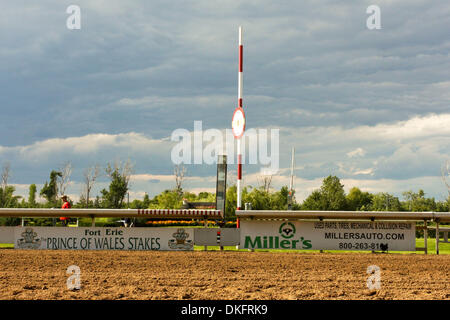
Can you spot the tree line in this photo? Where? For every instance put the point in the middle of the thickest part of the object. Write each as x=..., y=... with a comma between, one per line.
x=330, y=196
x=118, y=173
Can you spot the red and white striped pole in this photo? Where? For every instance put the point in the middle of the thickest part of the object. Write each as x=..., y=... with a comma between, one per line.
x=239, y=153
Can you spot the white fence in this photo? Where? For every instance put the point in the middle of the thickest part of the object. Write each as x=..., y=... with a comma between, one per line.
x=227, y=237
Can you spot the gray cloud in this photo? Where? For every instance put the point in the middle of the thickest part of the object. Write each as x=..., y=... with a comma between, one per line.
x=139, y=70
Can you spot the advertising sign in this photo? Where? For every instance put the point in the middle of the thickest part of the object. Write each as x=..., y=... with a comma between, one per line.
x=328, y=235
x=69, y=238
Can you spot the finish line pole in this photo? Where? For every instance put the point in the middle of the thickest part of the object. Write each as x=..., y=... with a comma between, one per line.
x=239, y=153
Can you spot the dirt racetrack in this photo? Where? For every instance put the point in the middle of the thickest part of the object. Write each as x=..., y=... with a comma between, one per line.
x=40, y=274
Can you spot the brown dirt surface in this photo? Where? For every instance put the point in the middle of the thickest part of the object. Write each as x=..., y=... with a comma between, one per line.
x=41, y=274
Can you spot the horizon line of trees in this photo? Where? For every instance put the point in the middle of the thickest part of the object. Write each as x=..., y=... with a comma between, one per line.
x=330, y=196
x=118, y=173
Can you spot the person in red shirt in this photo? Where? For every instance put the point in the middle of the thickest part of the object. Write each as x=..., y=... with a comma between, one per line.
x=66, y=205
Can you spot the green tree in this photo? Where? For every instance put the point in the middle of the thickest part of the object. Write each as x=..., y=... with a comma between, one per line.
x=141, y=204
x=417, y=202
x=231, y=201
x=119, y=174
x=358, y=200
x=203, y=195
x=7, y=197
x=146, y=202
x=279, y=199
x=385, y=202
x=137, y=204
x=313, y=201
x=83, y=203
x=50, y=189
x=331, y=196
x=8, y=200
x=443, y=206
x=97, y=202
x=118, y=188
x=32, y=196
x=258, y=197
x=168, y=199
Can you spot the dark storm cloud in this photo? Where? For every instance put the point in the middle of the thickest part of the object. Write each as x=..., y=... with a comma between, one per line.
x=152, y=67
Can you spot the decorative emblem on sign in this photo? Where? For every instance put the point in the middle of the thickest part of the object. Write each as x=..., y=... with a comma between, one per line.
x=287, y=230
x=180, y=242
x=28, y=241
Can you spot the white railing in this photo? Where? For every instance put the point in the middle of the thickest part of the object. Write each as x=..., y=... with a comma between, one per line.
x=357, y=215
x=111, y=213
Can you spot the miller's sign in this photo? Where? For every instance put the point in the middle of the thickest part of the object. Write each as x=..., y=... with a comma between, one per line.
x=328, y=235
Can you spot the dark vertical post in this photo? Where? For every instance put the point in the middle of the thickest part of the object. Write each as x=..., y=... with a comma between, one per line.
x=221, y=185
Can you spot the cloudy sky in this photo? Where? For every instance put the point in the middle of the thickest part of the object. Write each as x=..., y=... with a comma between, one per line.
x=369, y=106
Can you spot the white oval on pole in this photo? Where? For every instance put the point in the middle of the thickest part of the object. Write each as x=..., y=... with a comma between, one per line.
x=238, y=123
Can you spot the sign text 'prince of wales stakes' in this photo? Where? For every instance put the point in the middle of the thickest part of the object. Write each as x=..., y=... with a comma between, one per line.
x=103, y=238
